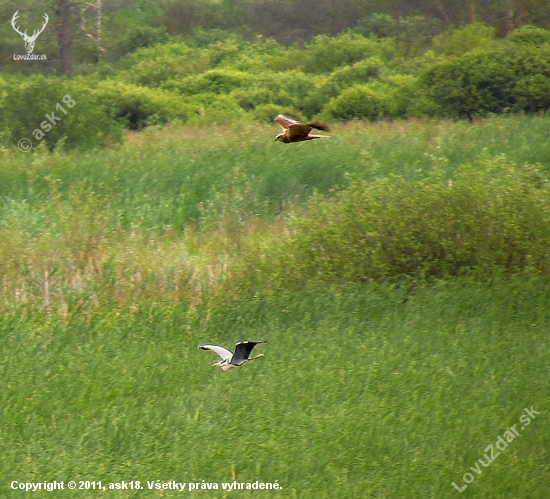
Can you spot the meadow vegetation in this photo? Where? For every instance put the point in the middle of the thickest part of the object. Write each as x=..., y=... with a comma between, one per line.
x=181, y=208
x=364, y=391
x=398, y=270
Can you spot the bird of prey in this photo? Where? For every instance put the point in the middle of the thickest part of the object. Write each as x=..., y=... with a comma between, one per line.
x=294, y=131
x=230, y=359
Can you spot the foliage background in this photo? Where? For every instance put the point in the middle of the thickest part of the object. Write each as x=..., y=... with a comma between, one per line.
x=398, y=270
x=188, y=62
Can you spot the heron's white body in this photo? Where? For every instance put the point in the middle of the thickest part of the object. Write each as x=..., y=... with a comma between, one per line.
x=224, y=364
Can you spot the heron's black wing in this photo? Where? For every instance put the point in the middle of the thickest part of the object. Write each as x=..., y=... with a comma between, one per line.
x=243, y=351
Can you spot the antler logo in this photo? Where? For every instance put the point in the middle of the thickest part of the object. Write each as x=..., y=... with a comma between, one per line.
x=29, y=40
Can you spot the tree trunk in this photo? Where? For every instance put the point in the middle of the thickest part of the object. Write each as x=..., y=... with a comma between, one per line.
x=63, y=11
x=488, y=12
x=473, y=11
x=440, y=9
x=98, y=25
x=509, y=14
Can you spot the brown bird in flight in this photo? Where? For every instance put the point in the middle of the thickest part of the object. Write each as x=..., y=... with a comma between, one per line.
x=296, y=132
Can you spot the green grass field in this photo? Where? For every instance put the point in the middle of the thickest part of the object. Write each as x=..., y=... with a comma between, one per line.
x=117, y=264
x=359, y=394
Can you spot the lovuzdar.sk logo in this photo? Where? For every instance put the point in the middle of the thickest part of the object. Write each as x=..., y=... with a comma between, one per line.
x=29, y=40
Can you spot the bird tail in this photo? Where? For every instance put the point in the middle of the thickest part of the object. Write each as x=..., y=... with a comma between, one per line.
x=319, y=126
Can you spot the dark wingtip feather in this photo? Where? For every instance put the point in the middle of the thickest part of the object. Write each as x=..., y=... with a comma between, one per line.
x=319, y=126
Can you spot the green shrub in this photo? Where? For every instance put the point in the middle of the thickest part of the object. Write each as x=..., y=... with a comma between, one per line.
x=407, y=101
x=138, y=106
x=492, y=218
x=529, y=34
x=142, y=36
x=218, y=109
x=532, y=88
x=319, y=95
x=360, y=72
x=510, y=78
x=78, y=115
x=287, y=60
x=289, y=89
x=475, y=84
x=360, y=101
x=218, y=81
x=464, y=40
x=533, y=93
x=265, y=113
x=155, y=65
x=327, y=53
x=413, y=28
x=253, y=56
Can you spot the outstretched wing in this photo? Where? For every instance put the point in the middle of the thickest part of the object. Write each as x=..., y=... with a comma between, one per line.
x=298, y=131
x=224, y=353
x=243, y=351
x=284, y=122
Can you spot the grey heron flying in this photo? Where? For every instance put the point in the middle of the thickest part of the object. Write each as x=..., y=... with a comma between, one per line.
x=229, y=360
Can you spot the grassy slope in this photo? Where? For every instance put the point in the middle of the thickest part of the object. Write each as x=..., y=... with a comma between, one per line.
x=119, y=396
x=360, y=394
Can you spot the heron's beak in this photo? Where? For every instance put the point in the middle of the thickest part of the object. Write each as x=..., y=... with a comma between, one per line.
x=257, y=356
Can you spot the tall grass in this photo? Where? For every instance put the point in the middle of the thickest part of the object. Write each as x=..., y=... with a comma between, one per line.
x=161, y=176
x=175, y=211
x=116, y=264
x=363, y=392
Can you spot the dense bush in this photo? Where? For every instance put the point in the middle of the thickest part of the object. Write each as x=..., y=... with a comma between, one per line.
x=509, y=78
x=360, y=72
x=77, y=115
x=474, y=84
x=531, y=35
x=288, y=89
x=360, y=101
x=328, y=53
x=464, y=40
x=413, y=29
x=142, y=36
x=218, y=81
x=153, y=66
x=493, y=217
x=138, y=106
